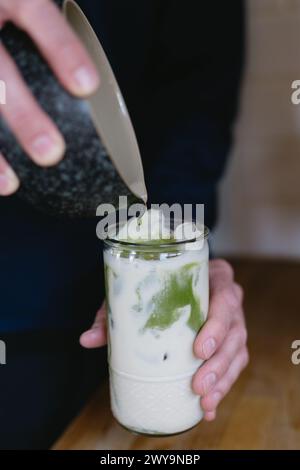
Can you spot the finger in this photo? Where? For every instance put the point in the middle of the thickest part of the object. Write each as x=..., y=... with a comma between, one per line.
x=96, y=336
x=224, y=303
x=213, y=370
x=210, y=415
x=9, y=182
x=239, y=292
x=59, y=45
x=210, y=402
x=32, y=127
x=220, y=273
x=100, y=316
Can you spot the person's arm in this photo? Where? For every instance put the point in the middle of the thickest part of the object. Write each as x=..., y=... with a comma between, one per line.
x=34, y=130
x=221, y=342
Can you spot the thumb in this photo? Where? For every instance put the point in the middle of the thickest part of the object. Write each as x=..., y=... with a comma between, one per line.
x=95, y=337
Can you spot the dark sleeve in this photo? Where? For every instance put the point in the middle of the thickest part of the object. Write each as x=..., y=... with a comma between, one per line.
x=179, y=65
x=190, y=101
x=189, y=164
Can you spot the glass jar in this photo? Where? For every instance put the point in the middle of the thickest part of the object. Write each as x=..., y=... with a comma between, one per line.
x=157, y=300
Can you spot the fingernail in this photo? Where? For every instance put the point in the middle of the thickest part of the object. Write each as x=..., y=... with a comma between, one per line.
x=93, y=333
x=87, y=335
x=209, y=347
x=208, y=382
x=47, y=150
x=9, y=182
x=216, y=398
x=86, y=80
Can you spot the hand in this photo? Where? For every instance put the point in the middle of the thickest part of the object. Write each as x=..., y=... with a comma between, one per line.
x=34, y=130
x=221, y=342
x=96, y=336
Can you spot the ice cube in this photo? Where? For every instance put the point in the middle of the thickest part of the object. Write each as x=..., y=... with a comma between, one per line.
x=151, y=226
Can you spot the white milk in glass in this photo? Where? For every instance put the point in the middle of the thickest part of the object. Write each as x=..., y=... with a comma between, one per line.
x=157, y=300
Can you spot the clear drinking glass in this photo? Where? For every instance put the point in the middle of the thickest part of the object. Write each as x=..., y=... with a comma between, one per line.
x=157, y=300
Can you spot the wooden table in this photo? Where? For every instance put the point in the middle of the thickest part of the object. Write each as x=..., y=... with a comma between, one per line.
x=263, y=409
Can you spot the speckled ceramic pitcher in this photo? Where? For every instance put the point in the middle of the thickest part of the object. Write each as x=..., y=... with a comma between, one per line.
x=102, y=159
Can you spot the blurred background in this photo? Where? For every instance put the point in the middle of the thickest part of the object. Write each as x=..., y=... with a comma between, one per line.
x=260, y=194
